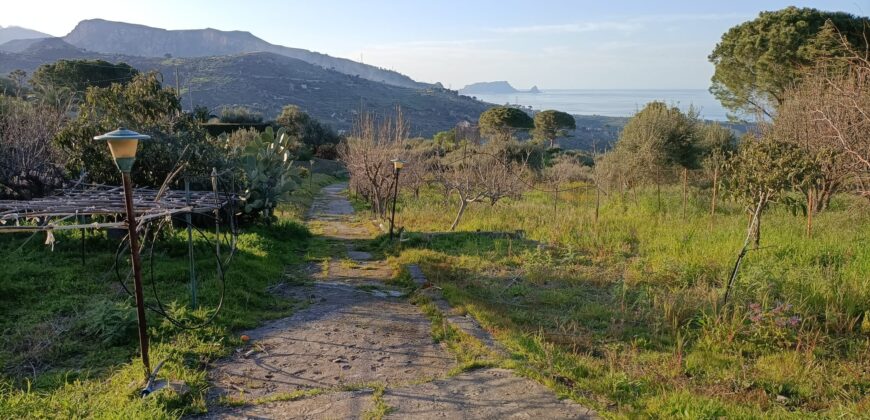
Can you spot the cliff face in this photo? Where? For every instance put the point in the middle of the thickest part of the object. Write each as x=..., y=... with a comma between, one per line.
x=138, y=40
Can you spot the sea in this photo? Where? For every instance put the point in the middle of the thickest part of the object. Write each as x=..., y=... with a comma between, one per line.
x=612, y=102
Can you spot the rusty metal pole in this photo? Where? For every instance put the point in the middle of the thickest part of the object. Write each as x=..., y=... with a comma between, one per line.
x=132, y=228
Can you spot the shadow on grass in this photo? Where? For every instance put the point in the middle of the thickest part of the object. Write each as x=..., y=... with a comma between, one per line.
x=62, y=320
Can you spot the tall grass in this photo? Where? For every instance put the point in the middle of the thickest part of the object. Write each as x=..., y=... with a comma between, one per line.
x=635, y=298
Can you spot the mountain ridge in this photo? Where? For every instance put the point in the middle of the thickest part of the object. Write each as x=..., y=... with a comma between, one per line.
x=12, y=32
x=110, y=37
x=266, y=82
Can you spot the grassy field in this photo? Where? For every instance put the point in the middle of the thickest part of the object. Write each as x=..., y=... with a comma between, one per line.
x=69, y=330
x=624, y=313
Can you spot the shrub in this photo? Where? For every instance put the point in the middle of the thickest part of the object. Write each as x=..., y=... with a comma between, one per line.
x=240, y=115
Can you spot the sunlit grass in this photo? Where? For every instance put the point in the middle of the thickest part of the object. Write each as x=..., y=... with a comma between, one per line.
x=625, y=312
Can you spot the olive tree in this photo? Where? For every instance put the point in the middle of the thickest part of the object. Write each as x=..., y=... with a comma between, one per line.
x=762, y=171
x=656, y=141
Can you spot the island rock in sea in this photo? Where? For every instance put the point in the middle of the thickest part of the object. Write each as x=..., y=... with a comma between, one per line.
x=493, y=88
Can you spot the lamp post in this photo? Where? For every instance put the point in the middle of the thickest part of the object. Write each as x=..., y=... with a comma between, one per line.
x=397, y=165
x=311, y=173
x=123, y=144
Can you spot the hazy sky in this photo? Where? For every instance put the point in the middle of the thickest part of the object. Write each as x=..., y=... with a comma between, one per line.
x=551, y=44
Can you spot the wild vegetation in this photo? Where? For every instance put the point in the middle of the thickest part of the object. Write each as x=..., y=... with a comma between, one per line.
x=68, y=324
x=686, y=272
x=640, y=282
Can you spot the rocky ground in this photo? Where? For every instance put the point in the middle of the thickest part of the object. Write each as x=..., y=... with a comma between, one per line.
x=361, y=349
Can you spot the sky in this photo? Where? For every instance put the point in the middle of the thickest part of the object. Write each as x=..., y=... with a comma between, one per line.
x=630, y=44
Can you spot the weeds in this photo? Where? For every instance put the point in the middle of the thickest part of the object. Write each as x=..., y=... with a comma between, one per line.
x=625, y=313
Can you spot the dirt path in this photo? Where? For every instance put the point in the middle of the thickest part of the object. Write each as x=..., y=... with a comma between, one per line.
x=358, y=335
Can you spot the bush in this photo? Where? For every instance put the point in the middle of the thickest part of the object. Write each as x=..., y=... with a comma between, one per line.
x=141, y=105
x=240, y=115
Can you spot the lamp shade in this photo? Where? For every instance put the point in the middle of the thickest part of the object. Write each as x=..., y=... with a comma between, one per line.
x=123, y=144
x=398, y=163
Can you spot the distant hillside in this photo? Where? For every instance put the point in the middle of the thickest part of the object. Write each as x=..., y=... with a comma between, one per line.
x=138, y=40
x=266, y=82
x=493, y=88
x=9, y=33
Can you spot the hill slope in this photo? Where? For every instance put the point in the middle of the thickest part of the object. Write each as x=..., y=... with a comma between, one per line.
x=9, y=33
x=138, y=40
x=266, y=82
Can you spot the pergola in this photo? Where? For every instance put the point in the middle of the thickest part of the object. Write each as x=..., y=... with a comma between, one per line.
x=71, y=208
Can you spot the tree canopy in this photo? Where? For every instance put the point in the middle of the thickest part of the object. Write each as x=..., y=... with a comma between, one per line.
x=501, y=121
x=145, y=106
x=756, y=61
x=550, y=124
x=78, y=75
x=320, y=138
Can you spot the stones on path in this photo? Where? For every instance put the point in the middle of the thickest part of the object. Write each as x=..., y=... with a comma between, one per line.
x=481, y=394
x=356, y=332
x=334, y=405
x=350, y=338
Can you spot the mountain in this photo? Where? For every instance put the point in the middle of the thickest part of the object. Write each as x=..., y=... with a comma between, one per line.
x=266, y=82
x=138, y=40
x=494, y=88
x=10, y=33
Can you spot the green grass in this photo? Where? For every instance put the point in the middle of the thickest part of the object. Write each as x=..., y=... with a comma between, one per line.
x=68, y=330
x=625, y=313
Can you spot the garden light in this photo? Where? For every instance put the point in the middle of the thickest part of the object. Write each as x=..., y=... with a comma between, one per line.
x=123, y=144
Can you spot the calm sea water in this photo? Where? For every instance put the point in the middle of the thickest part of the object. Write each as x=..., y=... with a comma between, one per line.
x=612, y=102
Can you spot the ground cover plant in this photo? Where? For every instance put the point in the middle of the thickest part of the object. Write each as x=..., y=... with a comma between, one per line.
x=625, y=312
x=68, y=330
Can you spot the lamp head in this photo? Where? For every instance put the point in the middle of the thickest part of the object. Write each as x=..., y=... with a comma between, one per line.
x=398, y=163
x=123, y=144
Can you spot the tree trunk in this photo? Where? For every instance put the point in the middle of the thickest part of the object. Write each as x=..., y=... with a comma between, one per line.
x=758, y=231
x=685, y=190
x=715, y=190
x=463, y=204
x=810, y=209
x=597, y=203
x=658, y=198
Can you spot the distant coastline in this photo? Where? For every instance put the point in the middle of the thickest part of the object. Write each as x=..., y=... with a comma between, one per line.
x=609, y=102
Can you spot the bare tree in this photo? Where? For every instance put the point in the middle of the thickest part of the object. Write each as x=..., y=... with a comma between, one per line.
x=30, y=163
x=828, y=116
x=484, y=174
x=367, y=154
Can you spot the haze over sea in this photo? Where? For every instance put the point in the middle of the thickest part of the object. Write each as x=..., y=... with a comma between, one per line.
x=612, y=102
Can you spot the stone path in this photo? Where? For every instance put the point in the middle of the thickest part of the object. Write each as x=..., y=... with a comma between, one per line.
x=357, y=334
